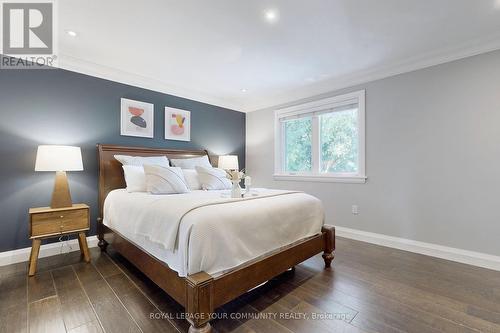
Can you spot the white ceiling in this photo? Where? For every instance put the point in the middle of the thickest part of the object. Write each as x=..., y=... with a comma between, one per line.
x=209, y=50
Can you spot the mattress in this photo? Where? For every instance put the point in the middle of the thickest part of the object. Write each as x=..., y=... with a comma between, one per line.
x=210, y=231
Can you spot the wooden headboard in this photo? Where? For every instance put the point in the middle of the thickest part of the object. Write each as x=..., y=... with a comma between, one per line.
x=111, y=172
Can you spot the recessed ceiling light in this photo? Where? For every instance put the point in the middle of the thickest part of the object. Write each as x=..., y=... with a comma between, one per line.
x=271, y=15
x=244, y=90
x=71, y=33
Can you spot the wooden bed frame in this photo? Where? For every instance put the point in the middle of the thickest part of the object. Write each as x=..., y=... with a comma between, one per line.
x=200, y=293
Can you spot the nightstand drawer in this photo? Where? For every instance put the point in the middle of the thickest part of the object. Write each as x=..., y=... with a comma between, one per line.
x=78, y=221
x=51, y=223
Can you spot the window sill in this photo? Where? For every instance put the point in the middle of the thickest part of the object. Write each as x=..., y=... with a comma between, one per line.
x=321, y=178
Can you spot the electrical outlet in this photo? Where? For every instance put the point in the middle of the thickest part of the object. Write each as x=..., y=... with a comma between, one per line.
x=355, y=210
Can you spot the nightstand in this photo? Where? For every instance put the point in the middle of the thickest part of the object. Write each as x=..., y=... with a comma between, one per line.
x=46, y=222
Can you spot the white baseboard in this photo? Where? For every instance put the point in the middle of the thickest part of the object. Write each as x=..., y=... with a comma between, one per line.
x=449, y=253
x=47, y=250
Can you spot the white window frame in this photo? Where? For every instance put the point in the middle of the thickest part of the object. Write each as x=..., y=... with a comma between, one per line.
x=357, y=97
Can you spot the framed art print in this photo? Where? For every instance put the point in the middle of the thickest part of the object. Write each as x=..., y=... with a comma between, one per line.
x=137, y=118
x=177, y=124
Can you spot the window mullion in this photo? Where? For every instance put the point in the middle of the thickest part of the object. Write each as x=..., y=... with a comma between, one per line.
x=315, y=145
x=283, y=147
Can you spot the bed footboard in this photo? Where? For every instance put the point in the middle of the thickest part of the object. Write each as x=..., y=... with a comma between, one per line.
x=199, y=302
x=200, y=293
x=205, y=293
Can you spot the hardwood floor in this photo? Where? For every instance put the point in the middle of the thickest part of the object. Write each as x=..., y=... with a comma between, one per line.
x=368, y=289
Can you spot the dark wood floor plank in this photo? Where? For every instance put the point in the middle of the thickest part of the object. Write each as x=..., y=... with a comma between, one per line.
x=380, y=318
x=20, y=268
x=76, y=309
x=455, y=293
x=91, y=327
x=270, y=295
x=228, y=325
x=103, y=263
x=45, y=316
x=14, y=319
x=169, y=306
x=13, y=303
x=371, y=324
x=425, y=301
x=464, y=283
x=295, y=320
x=13, y=291
x=40, y=286
x=277, y=298
x=257, y=324
x=401, y=315
x=63, y=259
x=356, y=295
x=239, y=329
x=112, y=314
x=139, y=307
x=329, y=321
x=326, y=305
x=266, y=326
x=158, y=297
x=369, y=289
x=485, y=315
x=239, y=315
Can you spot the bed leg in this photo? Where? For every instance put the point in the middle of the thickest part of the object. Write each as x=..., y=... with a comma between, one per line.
x=329, y=236
x=102, y=245
x=100, y=235
x=199, y=302
x=205, y=329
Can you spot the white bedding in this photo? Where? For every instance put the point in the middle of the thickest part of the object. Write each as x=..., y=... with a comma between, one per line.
x=207, y=231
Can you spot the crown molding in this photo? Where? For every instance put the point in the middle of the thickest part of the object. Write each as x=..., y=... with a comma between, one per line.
x=77, y=65
x=295, y=96
x=328, y=87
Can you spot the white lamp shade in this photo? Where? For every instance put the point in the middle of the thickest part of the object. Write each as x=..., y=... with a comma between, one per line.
x=58, y=158
x=228, y=162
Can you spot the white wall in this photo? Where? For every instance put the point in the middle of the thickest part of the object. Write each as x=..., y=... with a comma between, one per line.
x=432, y=161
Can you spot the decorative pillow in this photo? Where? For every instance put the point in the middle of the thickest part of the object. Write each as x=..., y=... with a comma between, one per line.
x=213, y=178
x=192, y=179
x=134, y=178
x=141, y=160
x=191, y=163
x=162, y=180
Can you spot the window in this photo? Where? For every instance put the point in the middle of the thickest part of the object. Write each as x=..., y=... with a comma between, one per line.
x=322, y=140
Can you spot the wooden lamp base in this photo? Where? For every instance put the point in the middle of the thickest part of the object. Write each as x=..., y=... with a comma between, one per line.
x=61, y=197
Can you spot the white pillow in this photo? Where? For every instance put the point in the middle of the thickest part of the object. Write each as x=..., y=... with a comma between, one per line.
x=161, y=180
x=192, y=179
x=191, y=163
x=141, y=160
x=134, y=178
x=213, y=178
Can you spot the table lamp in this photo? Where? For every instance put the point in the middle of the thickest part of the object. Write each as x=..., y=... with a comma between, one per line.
x=59, y=159
x=228, y=162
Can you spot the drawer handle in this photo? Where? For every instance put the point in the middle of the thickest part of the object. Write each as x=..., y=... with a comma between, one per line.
x=62, y=216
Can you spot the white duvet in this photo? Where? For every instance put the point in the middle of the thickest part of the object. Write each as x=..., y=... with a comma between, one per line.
x=207, y=231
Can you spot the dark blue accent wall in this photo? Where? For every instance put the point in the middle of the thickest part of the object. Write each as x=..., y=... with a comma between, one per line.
x=53, y=106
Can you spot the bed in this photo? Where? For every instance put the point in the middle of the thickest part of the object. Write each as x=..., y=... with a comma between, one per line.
x=213, y=259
